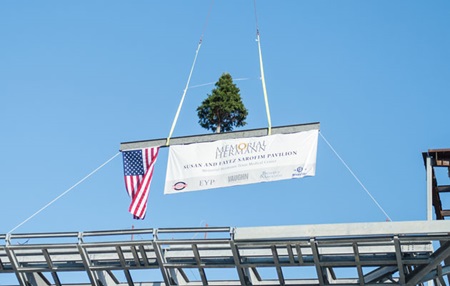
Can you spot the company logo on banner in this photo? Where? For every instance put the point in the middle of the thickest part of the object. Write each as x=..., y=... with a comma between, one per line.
x=241, y=161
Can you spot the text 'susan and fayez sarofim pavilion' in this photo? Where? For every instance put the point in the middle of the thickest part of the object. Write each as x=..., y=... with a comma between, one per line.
x=383, y=253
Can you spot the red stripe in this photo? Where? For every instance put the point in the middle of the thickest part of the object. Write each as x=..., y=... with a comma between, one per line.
x=140, y=200
x=143, y=198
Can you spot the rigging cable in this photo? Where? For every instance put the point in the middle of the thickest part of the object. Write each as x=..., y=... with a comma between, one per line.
x=261, y=66
x=65, y=192
x=189, y=77
x=353, y=174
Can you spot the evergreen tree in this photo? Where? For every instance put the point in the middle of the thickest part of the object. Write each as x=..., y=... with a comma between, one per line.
x=223, y=109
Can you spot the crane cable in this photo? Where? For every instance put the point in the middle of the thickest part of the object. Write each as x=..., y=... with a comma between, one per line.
x=388, y=218
x=64, y=193
x=189, y=77
x=261, y=66
x=263, y=81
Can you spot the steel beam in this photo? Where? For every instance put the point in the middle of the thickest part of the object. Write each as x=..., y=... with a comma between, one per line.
x=50, y=265
x=218, y=136
x=144, y=255
x=276, y=261
x=358, y=264
x=237, y=261
x=444, y=189
x=316, y=257
x=398, y=255
x=291, y=254
x=439, y=275
x=198, y=259
x=299, y=254
x=429, y=168
x=126, y=271
x=342, y=230
x=87, y=265
x=161, y=259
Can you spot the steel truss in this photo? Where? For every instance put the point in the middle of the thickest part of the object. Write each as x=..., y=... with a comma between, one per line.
x=388, y=253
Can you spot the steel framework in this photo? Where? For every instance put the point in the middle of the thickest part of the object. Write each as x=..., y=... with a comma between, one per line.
x=387, y=253
x=437, y=158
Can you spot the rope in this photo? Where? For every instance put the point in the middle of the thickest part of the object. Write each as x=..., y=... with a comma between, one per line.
x=263, y=81
x=68, y=190
x=183, y=96
x=353, y=174
x=189, y=77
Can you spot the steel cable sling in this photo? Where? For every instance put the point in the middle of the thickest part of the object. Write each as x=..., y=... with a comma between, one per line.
x=266, y=101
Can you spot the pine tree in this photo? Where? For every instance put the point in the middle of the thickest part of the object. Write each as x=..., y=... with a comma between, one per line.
x=223, y=109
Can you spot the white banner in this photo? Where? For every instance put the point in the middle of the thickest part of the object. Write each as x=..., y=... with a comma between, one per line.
x=241, y=161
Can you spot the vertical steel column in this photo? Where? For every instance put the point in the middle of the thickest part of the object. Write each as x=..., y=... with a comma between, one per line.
x=160, y=258
x=276, y=261
x=198, y=259
x=244, y=274
x=399, y=257
x=126, y=270
x=358, y=263
x=429, y=189
x=86, y=260
x=50, y=266
x=316, y=257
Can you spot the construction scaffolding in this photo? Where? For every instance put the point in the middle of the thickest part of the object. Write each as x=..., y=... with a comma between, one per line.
x=386, y=253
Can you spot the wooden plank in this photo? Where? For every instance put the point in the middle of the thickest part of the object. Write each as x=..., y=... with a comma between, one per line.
x=445, y=150
x=218, y=136
x=442, y=163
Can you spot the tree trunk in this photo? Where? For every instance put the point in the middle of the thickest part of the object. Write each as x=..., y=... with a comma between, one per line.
x=218, y=128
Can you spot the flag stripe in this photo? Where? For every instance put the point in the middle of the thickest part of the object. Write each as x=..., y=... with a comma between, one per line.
x=138, y=172
x=139, y=203
x=131, y=184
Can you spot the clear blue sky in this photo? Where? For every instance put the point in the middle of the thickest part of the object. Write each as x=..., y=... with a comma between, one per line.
x=79, y=77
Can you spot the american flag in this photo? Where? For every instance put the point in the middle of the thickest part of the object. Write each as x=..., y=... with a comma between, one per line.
x=138, y=168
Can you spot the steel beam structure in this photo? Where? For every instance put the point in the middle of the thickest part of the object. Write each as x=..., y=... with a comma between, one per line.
x=387, y=253
x=436, y=158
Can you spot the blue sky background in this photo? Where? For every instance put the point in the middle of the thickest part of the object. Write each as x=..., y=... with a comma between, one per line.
x=79, y=77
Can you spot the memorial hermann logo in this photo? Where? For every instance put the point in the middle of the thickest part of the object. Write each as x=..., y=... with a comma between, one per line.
x=241, y=148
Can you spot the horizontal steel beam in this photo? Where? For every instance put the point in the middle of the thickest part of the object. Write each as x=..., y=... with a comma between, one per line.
x=443, y=189
x=218, y=136
x=343, y=230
